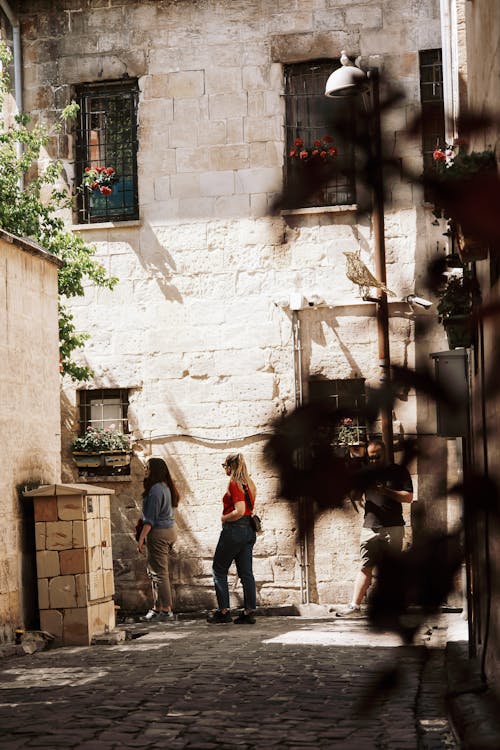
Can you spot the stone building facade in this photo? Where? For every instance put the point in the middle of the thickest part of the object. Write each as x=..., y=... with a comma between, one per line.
x=29, y=415
x=476, y=69
x=198, y=333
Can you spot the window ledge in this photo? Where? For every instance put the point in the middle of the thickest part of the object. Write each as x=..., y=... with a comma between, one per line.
x=106, y=225
x=320, y=210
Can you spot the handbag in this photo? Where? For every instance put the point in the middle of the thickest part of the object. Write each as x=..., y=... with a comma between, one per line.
x=255, y=521
x=138, y=529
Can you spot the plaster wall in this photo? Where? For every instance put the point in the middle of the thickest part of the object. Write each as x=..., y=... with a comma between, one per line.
x=29, y=413
x=196, y=328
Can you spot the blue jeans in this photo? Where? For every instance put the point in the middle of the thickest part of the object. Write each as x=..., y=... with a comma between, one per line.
x=236, y=543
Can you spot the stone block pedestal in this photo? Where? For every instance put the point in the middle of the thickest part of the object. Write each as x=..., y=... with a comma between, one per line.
x=74, y=561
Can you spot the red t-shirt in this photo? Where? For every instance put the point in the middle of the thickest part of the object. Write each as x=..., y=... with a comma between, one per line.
x=234, y=495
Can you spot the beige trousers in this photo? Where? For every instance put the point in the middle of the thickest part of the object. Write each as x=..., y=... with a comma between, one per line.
x=159, y=544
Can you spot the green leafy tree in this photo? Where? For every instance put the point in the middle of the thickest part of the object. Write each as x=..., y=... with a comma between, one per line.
x=31, y=206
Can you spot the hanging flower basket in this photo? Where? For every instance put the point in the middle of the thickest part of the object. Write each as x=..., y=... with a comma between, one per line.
x=458, y=331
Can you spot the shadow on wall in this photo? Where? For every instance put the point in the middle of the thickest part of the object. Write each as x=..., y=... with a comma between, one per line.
x=158, y=262
x=27, y=552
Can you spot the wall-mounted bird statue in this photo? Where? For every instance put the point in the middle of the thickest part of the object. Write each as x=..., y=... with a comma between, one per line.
x=360, y=275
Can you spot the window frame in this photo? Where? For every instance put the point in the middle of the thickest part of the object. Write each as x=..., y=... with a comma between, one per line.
x=430, y=63
x=310, y=115
x=85, y=408
x=91, y=150
x=348, y=393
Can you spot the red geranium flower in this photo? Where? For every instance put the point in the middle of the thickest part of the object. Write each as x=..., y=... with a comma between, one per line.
x=438, y=155
x=100, y=178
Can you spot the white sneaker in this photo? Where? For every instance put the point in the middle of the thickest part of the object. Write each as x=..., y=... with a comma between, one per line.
x=154, y=616
x=352, y=610
x=151, y=615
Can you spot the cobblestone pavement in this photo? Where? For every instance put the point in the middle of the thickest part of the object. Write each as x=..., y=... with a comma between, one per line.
x=286, y=682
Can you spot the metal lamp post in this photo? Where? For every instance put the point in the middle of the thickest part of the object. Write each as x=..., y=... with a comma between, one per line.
x=349, y=81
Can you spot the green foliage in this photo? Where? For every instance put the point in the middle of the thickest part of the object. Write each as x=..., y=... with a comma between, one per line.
x=455, y=297
x=30, y=206
x=98, y=439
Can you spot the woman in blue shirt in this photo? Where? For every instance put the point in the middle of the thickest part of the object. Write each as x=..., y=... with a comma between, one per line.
x=159, y=499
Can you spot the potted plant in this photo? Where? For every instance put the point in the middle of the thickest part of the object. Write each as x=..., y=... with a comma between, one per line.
x=350, y=433
x=314, y=164
x=454, y=310
x=100, y=179
x=102, y=447
x=458, y=176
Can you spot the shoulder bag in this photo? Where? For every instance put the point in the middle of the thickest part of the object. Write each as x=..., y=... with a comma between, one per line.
x=255, y=521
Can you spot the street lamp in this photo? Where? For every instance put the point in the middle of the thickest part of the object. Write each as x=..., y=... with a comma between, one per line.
x=350, y=81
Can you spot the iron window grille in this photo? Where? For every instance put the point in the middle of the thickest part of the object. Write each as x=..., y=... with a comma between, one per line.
x=106, y=136
x=310, y=115
x=345, y=395
x=432, y=104
x=104, y=407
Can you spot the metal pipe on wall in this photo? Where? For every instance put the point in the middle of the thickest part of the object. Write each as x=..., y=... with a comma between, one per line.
x=299, y=394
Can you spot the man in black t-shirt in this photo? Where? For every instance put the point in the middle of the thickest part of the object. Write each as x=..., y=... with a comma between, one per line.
x=383, y=525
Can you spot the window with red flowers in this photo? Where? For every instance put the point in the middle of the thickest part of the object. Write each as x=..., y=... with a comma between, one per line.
x=106, y=152
x=432, y=103
x=319, y=157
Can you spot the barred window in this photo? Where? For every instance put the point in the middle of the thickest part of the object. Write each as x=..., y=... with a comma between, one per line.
x=345, y=394
x=106, y=136
x=103, y=407
x=311, y=116
x=432, y=103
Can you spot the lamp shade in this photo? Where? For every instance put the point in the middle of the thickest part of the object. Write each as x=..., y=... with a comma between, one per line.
x=346, y=81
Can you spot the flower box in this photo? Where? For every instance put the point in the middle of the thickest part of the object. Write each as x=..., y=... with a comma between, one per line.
x=87, y=460
x=101, y=451
x=113, y=459
x=458, y=331
x=117, y=459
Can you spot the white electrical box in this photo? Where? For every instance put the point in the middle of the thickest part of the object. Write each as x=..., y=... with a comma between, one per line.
x=297, y=301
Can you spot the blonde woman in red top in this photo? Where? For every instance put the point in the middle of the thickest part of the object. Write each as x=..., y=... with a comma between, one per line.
x=236, y=543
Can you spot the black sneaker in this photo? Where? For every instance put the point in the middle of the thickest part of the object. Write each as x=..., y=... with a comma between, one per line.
x=244, y=619
x=219, y=617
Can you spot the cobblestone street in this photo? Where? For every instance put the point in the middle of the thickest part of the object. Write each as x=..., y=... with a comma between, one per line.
x=287, y=682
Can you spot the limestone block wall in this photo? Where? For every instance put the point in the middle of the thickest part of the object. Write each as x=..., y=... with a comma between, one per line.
x=197, y=329
x=30, y=428
x=74, y=561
